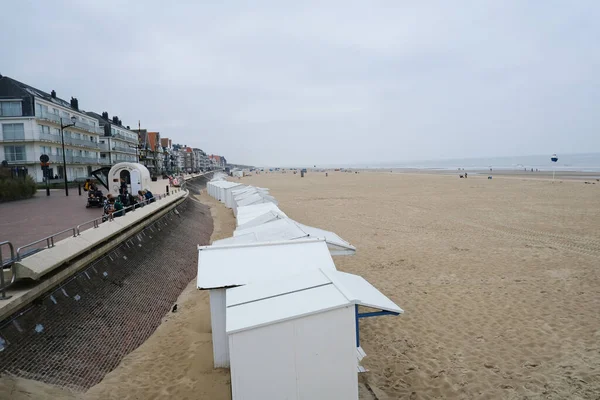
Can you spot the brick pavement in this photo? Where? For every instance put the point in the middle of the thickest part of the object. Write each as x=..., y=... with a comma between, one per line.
x=25, y=221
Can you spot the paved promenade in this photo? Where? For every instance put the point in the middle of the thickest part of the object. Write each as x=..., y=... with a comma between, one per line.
x=25, y=221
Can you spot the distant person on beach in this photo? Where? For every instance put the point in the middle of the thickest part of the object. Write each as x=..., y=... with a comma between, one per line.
x=465, y=174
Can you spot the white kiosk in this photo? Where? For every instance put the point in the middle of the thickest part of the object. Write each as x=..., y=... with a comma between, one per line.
x=136, y=175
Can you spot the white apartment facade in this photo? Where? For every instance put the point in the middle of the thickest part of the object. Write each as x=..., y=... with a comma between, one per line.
x=30, y=122
x=117, y=143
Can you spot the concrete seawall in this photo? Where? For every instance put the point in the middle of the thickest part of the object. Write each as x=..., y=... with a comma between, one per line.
x=90, y=316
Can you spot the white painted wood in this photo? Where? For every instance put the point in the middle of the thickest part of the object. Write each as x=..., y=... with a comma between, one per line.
x=294, y=296
x=241, y=239
x=337, y=245
x=268, y=216
x=326, y=355
x=217, y=323
x=361, y=292
x=312, y=358
x=261, y=364
x=228, y=193
x=283, y=307
x=264, y=289
x=247, y=213
x=281, y=229
x=234, y=265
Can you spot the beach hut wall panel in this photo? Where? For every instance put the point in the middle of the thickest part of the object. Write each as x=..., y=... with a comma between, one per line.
x=224, y=188
x=306, y=358
x=228, y=266
x=228, y=193
x=217, y=188
x=307, y=323
x=218, y=323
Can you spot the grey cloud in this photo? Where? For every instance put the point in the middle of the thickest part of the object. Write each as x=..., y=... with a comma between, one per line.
x=324, y=82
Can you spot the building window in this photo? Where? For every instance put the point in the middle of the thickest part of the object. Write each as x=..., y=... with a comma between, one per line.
x=40, y=109
x=10, y=109
x=14, y=153
x=13, y=132
x=44, y=129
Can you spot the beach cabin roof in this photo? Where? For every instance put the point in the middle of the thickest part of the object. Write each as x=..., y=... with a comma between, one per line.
x=337, y=245
x=288, y=229
x=240, y=264
x=241, y=239
x=281, y=229
x=265, y=210
x=268, y=302
x=254, y=198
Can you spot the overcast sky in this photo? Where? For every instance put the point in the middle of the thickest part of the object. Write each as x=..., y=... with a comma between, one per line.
x=324, y=82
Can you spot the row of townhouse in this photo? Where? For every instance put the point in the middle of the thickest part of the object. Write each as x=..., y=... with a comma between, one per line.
x=30, y=126
x=187, y=159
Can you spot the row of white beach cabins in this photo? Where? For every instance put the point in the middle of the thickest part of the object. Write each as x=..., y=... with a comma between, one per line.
x=284, y=320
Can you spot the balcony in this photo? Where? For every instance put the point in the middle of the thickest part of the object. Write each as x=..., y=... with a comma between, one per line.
x=57, y=159
x=127, y=139
x=124, y=149
x=46, y=137
x=54, y=118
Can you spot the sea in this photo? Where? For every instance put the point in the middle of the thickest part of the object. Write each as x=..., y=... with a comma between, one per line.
x=589, y=162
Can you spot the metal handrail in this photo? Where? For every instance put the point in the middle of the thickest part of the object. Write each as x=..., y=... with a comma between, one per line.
x=3, y=285
x=48, y=239
x=77, y=229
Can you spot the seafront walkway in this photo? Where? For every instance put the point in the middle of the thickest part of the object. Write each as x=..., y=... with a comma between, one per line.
x=42, y=262
x=25, y=221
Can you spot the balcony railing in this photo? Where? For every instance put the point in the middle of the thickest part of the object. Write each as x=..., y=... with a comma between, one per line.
x=128, y=139
x=47, y=116
x=58, y=159
x=69, y=140
x=124, y=149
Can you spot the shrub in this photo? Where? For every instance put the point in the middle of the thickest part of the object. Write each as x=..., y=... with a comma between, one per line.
x=17, y=189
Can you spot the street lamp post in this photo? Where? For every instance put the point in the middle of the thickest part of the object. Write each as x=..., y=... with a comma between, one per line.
x=62, y=138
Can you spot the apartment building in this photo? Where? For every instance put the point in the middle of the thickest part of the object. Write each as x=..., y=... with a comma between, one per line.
x=30, y=122
x=118, y=143
x=150, y=150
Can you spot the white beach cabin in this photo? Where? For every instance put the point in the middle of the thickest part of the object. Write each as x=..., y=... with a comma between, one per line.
x=136, y=175
x=288, y=229
x=258, y=214
x=228, y=193
x=297, y=337
x=213, y=186
x=221, y=267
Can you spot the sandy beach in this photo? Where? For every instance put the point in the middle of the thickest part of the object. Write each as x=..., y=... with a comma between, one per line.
x=498, y=279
